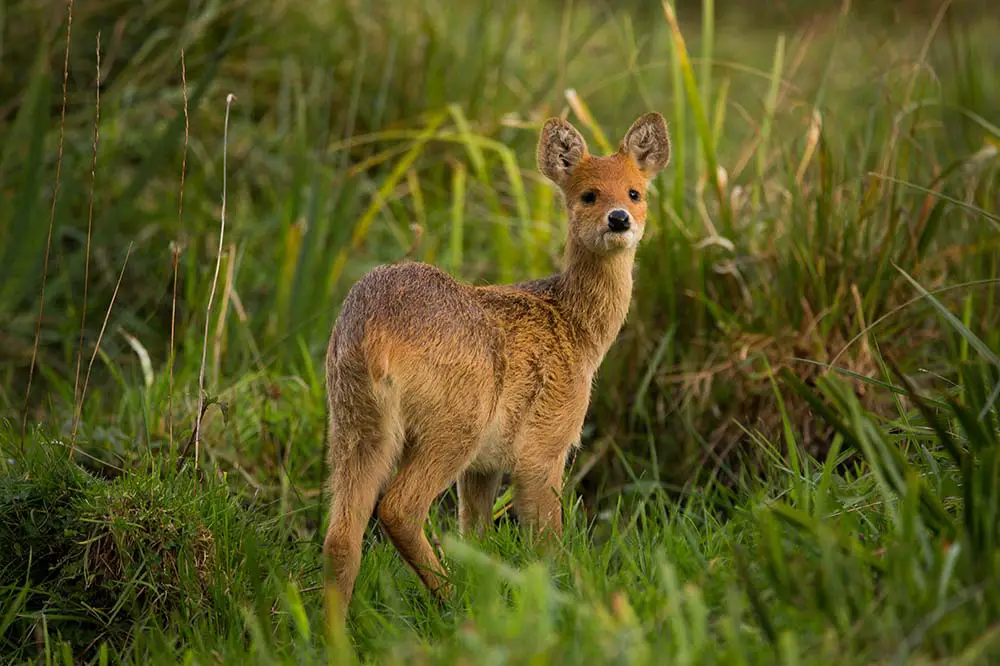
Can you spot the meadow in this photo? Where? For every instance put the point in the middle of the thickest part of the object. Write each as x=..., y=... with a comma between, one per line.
x=792, y=451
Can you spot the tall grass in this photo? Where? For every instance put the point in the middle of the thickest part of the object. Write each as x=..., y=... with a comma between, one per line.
x=789, y=457
x=882, y=553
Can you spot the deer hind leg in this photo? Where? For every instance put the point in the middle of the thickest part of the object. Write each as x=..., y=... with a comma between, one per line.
x=476, y=492
x=431, y=463
x=364, y=445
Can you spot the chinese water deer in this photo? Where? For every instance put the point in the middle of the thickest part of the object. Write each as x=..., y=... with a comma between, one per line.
x=446, y=381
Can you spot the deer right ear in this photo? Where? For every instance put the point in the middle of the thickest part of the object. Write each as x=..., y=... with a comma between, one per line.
x=648, y=143
x=560, y=149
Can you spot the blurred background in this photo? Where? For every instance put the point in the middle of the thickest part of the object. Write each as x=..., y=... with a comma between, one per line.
x=808, y=136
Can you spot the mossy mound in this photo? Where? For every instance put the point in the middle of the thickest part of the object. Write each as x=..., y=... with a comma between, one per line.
x=97, y=558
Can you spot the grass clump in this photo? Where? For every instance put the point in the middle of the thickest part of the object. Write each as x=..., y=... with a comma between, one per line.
x=36, y=514
x=93, y=560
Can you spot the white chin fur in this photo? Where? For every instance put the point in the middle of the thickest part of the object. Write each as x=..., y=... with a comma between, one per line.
x=620, y=240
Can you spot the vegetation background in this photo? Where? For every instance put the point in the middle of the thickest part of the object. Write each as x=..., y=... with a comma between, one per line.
x=792, y=451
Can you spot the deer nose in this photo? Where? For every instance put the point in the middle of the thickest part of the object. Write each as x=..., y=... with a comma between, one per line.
x=618, y=220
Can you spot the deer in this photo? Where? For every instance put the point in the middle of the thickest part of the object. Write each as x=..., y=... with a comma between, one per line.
x=432, y=381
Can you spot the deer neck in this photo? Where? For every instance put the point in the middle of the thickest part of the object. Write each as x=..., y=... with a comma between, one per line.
x=595, y=294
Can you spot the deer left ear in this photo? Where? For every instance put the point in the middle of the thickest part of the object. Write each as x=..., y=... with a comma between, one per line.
x=648, y=143
x=561, y=148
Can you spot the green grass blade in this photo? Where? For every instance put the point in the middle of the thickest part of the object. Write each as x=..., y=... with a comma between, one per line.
x=399, y=171
x=770, y=107
x=457, y=216
x=701, y=120
x=974, y=340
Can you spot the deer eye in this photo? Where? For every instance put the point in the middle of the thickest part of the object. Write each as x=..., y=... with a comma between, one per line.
x=634, y=195
x=589, y=197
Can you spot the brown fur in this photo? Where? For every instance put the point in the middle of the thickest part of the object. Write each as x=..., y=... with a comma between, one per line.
x=449, y=381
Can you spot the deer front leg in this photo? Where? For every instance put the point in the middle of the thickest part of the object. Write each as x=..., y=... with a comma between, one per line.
x=538, y=481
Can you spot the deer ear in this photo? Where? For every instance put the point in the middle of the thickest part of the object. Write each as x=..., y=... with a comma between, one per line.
x=560, y=149
x=648, y=143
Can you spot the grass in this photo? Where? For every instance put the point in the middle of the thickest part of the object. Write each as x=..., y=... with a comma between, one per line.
x=792, y=450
